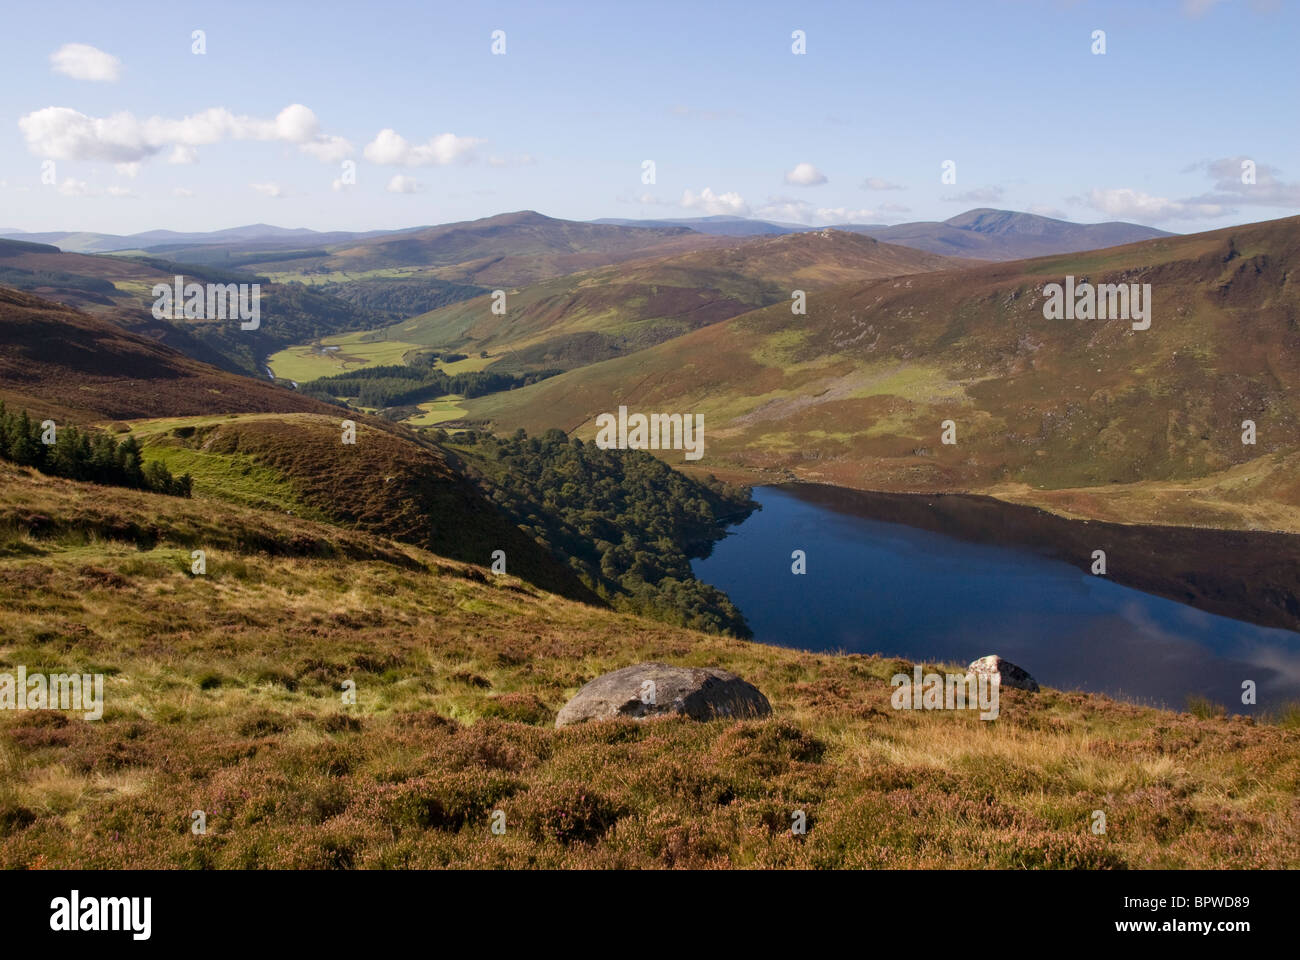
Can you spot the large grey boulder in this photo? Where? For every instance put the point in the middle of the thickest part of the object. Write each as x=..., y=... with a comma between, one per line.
x=659, y=689
x=1012, y=675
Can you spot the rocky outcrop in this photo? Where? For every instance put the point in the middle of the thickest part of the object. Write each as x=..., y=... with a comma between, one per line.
x=1012, y=675
x=659, y=689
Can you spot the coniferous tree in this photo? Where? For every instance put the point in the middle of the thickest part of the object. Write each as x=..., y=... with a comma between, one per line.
x=85, y=455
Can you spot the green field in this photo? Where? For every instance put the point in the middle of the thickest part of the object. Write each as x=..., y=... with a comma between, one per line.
x=468, y=365
x=233, y=477
x=338, y=276
x=353, y=351
x=438, y=411
x=311, y=361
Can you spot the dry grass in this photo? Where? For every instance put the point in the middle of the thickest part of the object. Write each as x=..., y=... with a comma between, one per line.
x=223, y=696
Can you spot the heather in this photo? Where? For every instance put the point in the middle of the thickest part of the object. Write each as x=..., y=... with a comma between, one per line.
x=224, y=695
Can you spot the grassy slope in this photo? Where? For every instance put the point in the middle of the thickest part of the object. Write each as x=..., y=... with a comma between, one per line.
x=385, y=483
x=223, y=696
x=588, y=316
x=356, y=351
x=268, y=446
x=506, y=250
x=289, y=314
x=1089, y=417
x=332, y=355
x=434, y=412
x=59, y=362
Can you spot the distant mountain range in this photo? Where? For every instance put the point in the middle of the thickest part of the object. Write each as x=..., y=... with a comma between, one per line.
x=895, y=340
x=1088, y=417
x=631, y=304
x=507, y=249
x=580, y=291
x=980, y=234
x=719, y=226
x=157, y=241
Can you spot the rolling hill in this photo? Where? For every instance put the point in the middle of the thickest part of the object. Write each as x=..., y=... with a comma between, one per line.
x=326, y=289
x=986, y=234
x=120, y=288
x=1089, y=418
x=388, y=483
x=508, y=250
x=61, y=362
x=222, y=694
x=328, y=563
x=596, y=314
x=720, y=225
x=981, y=234
x=223, y=428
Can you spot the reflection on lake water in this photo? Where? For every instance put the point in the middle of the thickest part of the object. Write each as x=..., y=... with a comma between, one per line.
x=876, y=586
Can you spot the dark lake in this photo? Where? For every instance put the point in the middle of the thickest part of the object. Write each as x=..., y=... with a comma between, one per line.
x=951, y=578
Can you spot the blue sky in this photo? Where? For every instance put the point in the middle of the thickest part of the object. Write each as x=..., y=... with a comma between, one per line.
x=144, y=134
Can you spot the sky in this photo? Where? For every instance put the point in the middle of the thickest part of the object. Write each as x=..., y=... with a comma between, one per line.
x=374, y=115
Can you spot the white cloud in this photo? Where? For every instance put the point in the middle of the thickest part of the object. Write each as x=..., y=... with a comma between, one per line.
x=1227, y=195
x=877, y=183
x=296, y=123
x=1267, y=190
x=182, y=192
x=183, y=155
x=76, y=188
x=390, y=148
x=404, y=184
x=805, y=175
x=846, y=215
x=62, y=133
x=120, y=192
x=268, y=189
x=1046, y=210
x=978, y=195
x=713, y=204
x=327, y=149
x=127, y=169
x=81, y=61
x=1128, y=204
x=790, y=210
x=787, y=210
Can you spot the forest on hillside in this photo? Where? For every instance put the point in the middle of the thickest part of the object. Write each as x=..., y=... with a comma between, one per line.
x=400, y=298
x=83, y=455
x=625, y=521
x=417, y=380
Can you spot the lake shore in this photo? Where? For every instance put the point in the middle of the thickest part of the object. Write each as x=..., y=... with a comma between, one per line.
x=1164, y=617
x=1253, y=576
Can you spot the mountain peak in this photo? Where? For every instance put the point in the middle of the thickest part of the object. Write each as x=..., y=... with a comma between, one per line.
x=989, y=220
x=519, y=218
